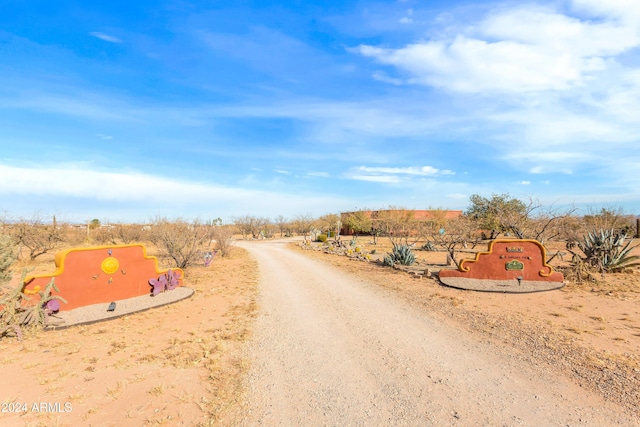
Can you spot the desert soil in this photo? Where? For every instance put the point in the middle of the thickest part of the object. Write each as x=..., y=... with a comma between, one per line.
x=333, y=348
x=176, y=365
x=275, y=335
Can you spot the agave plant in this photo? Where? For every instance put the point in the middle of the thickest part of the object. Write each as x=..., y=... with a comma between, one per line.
x=606, y=249
x=401, y=254
x=428, y=247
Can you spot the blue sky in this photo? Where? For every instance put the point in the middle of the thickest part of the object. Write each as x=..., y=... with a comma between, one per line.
x=124, y=111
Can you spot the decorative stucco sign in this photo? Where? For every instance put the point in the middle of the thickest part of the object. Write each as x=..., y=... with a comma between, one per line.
x=508, y=266
x=103, y=274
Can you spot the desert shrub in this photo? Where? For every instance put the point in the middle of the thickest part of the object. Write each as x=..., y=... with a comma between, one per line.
x=252, y=225
x=18, y=313
x=180, y=241
x=101, y=236
x=8, y=255
x=401, y=254
x=223, y=235
x=119, y=234
x=38, y=237
x=321, y=238
x=606, y=250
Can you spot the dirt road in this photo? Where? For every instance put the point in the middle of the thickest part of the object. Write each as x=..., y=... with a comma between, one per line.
x=331, y=349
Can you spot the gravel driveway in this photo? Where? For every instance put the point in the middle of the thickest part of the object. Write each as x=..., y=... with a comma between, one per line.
x=330, y=349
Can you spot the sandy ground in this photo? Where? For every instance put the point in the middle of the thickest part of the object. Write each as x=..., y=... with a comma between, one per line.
x=176, y=365
x=336, y=342
x=332, y=348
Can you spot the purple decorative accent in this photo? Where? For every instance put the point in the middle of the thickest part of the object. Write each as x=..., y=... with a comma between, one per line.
x=166, y=282
x=109, y=252
x=158, y=285
x=173, y=279
x=208, y=257
x=52, y=306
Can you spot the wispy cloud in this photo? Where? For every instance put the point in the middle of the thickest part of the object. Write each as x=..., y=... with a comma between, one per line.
x=105, y=37
x=319, y=174
x=394, y=175
x=387, y=179
x=84, y=104
x=143, y=192
x=412, y=170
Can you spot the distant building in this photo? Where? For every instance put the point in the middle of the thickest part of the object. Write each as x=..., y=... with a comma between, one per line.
x=432, y=215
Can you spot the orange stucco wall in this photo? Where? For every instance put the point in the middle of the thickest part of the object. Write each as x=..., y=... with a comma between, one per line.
x=493, y=263
x=103, y=274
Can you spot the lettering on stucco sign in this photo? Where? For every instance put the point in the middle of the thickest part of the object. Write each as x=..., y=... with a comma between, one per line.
x=509, y=265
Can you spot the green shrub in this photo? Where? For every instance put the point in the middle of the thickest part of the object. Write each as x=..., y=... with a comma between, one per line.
x=322, y=238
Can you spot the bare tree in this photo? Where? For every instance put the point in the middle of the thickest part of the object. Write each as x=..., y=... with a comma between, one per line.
x=181, y=241
x=536, y=221
x=456, y=234
x=37, y=236
x=223, y=235
x=8, y=255
x=303, y=224
x=120, y=234
x=609, y=218
x=329, y=223
x=281, y=222
x=250, y=224
x=398, y=225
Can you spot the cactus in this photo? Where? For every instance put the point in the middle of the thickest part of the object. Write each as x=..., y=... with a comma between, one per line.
x=428, y=247
x=16, y=313
x=166, y=282
x=606, y=250
x=401, y=254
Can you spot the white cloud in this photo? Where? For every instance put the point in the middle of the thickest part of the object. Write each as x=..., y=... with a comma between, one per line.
x=387, y=179
x=394, y=175
x=105, y=37
x=282, y=171
x=78, y=103
x=627, y=10
x=521, y=50
x=319, y=174
x=137, y=192
x=548, y=168
x=381, y=76
x=413, y=170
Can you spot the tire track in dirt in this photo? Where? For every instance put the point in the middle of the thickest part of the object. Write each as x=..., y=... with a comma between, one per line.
x=331, y=349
